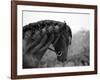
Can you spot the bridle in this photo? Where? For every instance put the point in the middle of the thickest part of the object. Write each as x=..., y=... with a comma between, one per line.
x=59, y=53
x=56, y=52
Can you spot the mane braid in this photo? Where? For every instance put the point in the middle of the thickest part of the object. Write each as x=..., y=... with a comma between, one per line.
x=37, y=26
x=46, y=24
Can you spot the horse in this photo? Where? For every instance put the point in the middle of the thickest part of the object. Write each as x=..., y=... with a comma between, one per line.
x=38, y=36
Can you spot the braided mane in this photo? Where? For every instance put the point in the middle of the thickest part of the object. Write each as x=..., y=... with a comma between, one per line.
x=33, y=32
x=63, y=29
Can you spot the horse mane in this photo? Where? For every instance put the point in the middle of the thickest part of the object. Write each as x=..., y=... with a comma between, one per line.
x=49, y=27
x=64, y=29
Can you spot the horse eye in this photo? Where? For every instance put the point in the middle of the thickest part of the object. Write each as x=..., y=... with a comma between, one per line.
x=59, y=52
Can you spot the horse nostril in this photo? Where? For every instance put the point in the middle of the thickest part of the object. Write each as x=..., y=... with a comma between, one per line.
x=61, y=60
x=65, y=60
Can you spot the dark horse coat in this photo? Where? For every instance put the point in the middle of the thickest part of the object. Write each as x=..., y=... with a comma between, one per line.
x=37, y=38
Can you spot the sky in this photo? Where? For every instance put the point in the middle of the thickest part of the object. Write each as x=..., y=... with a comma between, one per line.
x=76, y=21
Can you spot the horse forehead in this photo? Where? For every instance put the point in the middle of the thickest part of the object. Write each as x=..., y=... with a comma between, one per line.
x=59, y=44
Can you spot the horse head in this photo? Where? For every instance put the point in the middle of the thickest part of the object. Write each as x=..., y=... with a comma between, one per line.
x=62, y=42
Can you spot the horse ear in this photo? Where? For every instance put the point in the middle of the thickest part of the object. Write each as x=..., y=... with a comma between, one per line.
x=64, y=22
x=64, y=25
